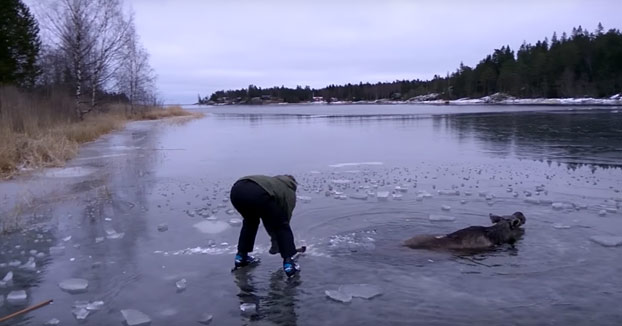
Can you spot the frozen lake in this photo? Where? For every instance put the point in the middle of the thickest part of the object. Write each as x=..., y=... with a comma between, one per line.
x=102, y=218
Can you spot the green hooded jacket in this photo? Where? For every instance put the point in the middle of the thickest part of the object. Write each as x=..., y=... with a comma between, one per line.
x=281, y=187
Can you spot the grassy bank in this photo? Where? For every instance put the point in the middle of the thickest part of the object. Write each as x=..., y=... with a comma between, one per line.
x=42, y=131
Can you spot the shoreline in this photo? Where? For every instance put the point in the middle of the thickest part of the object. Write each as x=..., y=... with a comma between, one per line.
x=613, y=101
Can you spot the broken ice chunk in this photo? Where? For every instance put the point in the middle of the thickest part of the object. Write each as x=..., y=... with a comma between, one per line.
x=8, y=279
x=17, y=298
x=365, y=291
x=382, y=195
x=607, y=240
x=80, y=313
x=338, y=296
x=441, y=218
x=602, y=212
x=205, y=319
x=30, y=265
x=181, y=285
x=57, y=251
x=134, y=317
x=74, y=285
x=304, y=199
x=211, y=227
x=248, y=309
x=449, y=192
x=99, y=239
x=52, y=322
x=95, y=305
x=115, y=235
x=67, y=238
x=446, y=207
x=235, y=222
x=162, y=227
x=359, y=196
x=396, y=197
x=560, y=226
x=557, y=206
x=401, y=188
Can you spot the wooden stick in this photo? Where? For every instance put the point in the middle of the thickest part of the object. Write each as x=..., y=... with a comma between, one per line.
x=23, y=311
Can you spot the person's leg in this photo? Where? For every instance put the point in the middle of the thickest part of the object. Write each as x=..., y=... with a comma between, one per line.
x=247, y=197
x=276, y=223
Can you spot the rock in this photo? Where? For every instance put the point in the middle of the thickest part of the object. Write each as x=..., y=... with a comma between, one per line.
x=74, y=285
x=205, y=319
x=607, y=240
x=441, y=218
x=248, y=309
x=52, y=322
x=17, y=298
x=134, y=317
x=365, y=291
x=338, y=296
x=163, y=227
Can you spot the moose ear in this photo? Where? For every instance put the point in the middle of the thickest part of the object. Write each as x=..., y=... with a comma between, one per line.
x=495, y=218
x=521, y=217
x=516, y=223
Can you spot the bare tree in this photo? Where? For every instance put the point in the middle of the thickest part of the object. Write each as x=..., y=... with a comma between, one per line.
x=110, y=40
x=136, y=78
x=91, y=34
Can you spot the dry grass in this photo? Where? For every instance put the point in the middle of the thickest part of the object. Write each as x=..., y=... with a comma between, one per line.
x=40, y=131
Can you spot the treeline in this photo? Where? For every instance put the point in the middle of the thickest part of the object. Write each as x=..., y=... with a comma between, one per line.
x=90, y=51
x=577, y=65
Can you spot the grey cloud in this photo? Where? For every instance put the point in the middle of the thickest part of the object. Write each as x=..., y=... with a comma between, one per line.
x=201, y=46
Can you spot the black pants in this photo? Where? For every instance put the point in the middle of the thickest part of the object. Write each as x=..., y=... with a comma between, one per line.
x=254, y=203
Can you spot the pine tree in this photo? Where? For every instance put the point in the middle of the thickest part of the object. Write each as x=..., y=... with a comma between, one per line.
x=19, y=44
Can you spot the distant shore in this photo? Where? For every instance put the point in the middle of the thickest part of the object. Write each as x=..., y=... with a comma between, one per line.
x=495, y=99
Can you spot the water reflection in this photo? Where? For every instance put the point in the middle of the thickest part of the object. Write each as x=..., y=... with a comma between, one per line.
x=577, y=138
x=278, y=305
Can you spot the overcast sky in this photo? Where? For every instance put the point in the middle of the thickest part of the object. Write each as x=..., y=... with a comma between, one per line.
x=200, y=46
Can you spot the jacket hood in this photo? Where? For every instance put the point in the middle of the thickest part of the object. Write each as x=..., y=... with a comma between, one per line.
x=288, y=180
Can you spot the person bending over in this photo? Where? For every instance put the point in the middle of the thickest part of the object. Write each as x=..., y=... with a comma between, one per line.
x=271, y=199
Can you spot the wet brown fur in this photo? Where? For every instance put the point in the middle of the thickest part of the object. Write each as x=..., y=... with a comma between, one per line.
x=505, y=229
